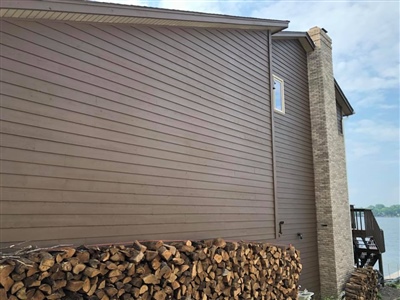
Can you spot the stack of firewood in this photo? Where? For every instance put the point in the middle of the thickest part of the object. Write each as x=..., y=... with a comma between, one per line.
x=362, y=285
x=212, y=269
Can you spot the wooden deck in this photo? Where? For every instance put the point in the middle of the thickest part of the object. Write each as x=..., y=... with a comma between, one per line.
x=368, y=239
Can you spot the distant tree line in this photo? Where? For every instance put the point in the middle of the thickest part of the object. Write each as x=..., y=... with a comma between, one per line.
x=381, y=210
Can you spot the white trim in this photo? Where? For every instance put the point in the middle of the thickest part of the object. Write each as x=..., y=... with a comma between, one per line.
x=282, y=84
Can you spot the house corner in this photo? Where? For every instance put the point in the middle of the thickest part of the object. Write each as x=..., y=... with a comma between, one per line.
x=335, y=248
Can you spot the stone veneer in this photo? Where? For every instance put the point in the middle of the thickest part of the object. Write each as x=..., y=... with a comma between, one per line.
x=335, y=247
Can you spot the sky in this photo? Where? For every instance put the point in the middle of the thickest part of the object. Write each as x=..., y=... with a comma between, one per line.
x=366, y=41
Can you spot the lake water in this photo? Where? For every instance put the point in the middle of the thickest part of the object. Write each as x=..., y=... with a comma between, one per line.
x=391, y=258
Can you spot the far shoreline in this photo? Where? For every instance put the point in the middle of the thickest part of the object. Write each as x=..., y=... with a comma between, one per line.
x=393, y=276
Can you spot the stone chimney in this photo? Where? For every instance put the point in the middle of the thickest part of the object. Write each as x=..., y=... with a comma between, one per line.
x=335, y=247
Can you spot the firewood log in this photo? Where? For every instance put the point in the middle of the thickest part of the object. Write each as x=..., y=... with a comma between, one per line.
x=362, y=284
x=212, y=269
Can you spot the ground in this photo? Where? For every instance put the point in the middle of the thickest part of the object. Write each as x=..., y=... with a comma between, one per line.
x=389, y=293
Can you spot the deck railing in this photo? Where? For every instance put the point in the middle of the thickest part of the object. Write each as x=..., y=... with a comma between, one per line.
x=364, y=224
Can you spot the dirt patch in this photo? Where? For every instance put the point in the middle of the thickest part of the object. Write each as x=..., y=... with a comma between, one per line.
x=389, y=293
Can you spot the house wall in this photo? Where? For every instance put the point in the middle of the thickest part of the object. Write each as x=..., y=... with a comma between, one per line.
x=115, y=133
x=294, y=159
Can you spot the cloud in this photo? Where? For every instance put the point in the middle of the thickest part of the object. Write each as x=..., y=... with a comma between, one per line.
x=389, y=106
x=357, y=150
x=377, y=100
x=375, y=130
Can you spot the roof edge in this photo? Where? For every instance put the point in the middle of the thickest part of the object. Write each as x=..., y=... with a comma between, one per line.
x=88, y=8
x=342, y=99
x=303, y=37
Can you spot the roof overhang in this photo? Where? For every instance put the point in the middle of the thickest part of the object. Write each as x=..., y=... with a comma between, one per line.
x=98, y=12
x=342, y=100
x=303, y=37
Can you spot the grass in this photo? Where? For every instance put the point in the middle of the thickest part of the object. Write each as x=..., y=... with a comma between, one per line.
x=395, y=284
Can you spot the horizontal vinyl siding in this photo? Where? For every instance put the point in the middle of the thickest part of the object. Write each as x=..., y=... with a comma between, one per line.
x=294, y=161
x=115, y=133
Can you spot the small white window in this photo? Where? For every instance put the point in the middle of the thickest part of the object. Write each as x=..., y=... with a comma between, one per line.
x=278, y=94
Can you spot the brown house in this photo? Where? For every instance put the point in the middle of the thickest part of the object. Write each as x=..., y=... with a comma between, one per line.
x=121, y=123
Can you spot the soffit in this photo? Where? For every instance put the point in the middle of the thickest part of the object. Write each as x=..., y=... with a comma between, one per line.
x=303, y=37
x=96, y=12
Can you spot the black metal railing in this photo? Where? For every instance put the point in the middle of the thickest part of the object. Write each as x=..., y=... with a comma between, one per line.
x=364, y=223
